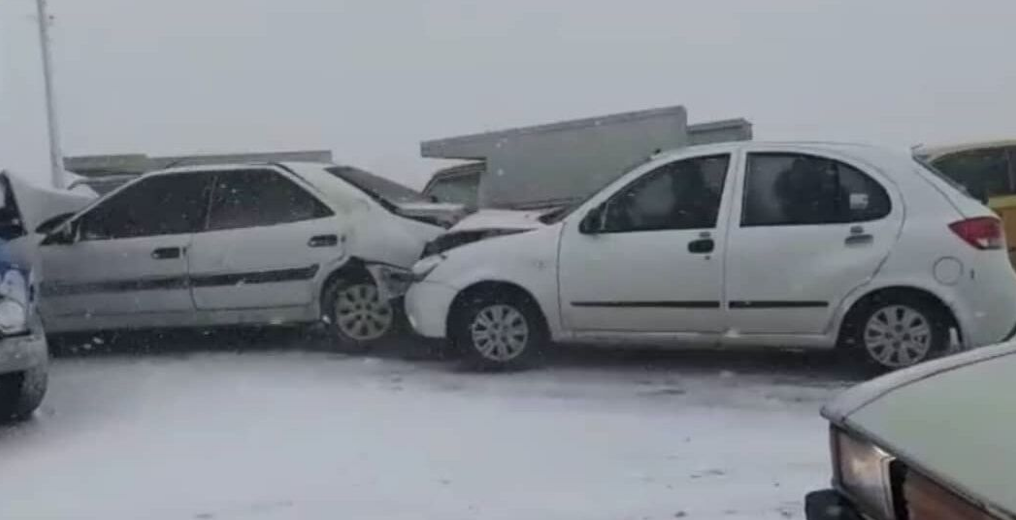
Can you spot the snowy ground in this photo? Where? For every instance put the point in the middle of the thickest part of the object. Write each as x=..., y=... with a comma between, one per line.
x=272, y=433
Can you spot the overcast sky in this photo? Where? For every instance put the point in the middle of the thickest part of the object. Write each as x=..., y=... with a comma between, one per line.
x=369, y=79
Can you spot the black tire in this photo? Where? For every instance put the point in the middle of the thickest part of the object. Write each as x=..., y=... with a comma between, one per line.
x=885, y=344
x=509, y=351
x=343, y=333
x=21, y=393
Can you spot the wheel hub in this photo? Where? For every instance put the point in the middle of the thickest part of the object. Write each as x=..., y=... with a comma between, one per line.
x=499, y=332
x=361, y=314
x=898, y=336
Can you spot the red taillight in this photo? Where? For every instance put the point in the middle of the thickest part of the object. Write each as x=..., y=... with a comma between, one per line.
x=980, y=232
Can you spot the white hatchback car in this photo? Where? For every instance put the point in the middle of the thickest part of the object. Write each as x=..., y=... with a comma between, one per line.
x=238, y=244
x=798, y=245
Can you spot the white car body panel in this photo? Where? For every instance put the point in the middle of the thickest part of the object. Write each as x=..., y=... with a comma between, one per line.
x=558, y=265
x=499, y=219
x=607, y=289
x=817, y=265
x=254, y=275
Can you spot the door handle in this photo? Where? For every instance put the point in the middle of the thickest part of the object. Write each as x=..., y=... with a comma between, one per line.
x=323, y=241
x=861, y=239
x=701, y=246
x=166, y=253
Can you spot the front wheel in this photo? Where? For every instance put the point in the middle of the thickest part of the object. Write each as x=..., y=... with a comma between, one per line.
x=902, y=332
x=356, y=315
x=21, y=393
x=499, y=332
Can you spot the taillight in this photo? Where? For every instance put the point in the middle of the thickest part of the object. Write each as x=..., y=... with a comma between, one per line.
x=980, y=232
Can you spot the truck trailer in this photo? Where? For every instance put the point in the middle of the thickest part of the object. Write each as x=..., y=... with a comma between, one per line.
x=552, y=164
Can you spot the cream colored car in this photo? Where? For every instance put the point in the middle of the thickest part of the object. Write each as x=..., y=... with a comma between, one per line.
x=933, y=441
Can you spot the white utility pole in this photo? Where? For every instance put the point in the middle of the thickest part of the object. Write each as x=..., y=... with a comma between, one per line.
x=55, y=153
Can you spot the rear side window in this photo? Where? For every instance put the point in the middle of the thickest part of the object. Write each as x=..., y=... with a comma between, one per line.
x=252, y=198
x=784, y=189
x=158, y=205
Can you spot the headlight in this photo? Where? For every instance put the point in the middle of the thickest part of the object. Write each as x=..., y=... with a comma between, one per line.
x=424, y=267
x=14, y=302
x=862, y=471
x=13, y=317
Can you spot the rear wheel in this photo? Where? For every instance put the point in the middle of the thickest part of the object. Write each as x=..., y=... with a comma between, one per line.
x=499, y=332
x=356, y=315
x=900, y=332
x=21, y=393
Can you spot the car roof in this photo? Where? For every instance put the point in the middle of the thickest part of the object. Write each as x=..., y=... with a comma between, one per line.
x=865, y=152
x=201, y=168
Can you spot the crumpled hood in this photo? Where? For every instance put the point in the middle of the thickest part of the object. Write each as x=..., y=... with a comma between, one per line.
x=37, y=204
x=499, y=219
x=953, y=418
x=484, y=224
x=441, y=212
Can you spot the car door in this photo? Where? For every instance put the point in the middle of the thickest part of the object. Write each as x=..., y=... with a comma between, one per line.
x=266, y=239
x=651, y=260
x=811, y=229
x=126, y=255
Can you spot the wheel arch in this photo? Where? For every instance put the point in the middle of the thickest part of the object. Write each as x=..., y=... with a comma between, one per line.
x=461, y=300
x=353, y=268
x=849, y=317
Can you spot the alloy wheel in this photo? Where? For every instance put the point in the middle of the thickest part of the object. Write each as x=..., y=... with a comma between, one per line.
x=361, y=314
x=499, y=332
x=897, y=336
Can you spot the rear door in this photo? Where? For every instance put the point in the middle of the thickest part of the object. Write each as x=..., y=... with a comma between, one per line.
x=808, y=230
x=266, y=239
x=128, y=253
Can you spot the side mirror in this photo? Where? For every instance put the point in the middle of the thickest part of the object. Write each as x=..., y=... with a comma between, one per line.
x=592, y=223
x=52, y=223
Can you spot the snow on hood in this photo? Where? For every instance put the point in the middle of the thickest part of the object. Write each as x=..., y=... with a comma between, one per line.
x=951, y=418
x=430, y=209
x=499, y=219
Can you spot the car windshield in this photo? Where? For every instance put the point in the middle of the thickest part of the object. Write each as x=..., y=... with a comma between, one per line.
x=483, y=260
x=377, y=187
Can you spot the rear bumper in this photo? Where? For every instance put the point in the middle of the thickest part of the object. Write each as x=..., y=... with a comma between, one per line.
x=829, y=504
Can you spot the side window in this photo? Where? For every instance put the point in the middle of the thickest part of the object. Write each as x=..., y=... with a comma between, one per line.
x=159, y=205
x=680, y=195
x=784, y=189
x=251, y=198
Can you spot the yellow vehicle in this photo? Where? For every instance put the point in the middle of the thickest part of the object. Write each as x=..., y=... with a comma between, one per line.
x=987, y=171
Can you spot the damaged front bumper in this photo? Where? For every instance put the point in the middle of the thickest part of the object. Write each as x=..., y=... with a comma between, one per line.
x=392, y=281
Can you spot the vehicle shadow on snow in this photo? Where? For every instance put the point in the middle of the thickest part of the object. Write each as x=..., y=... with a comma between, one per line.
x=794, y=367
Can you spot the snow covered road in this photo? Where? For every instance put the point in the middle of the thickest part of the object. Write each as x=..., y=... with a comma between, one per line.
x=279, y=434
